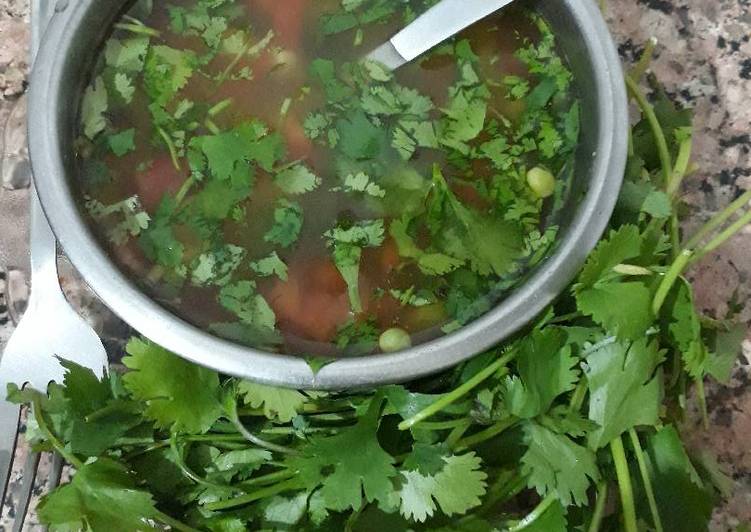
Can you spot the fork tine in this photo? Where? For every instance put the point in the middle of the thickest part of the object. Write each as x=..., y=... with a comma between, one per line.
x=29, y=477
x=9, y=417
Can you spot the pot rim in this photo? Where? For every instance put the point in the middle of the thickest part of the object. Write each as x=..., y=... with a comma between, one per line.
x=48, y=123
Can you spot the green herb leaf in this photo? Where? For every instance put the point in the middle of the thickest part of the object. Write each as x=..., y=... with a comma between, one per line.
x=288, y=220
x=624, y=392
x=242, y=299
x=546, y=370
x=350, y=466
x=93, y=107
x=278, y=403
x=122, y=142
x=271, y=265
x=297, y=179
x=102, y=496
x=556, y=464
x=178, y=395
x=457, y=488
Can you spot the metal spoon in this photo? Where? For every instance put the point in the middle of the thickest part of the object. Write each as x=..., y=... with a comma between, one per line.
x=440, y=22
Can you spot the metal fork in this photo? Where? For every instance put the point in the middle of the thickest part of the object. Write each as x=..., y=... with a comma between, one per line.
x=49, y=328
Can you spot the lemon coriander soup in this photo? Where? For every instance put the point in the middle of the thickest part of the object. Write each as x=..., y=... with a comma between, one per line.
x=242, y=163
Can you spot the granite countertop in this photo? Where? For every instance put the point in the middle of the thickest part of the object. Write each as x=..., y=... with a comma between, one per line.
x=703, y=56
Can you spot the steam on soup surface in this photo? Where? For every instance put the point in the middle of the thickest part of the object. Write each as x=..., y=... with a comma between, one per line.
x=255, y=177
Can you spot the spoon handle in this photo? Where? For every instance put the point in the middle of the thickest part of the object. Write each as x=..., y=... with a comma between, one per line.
x=440, y=22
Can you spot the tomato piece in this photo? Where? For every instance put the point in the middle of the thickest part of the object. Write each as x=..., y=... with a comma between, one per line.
x=160, y=178
x=313, y=302
x=469, y=196
x=287, y=19
x=389, y=256
x=299, y=146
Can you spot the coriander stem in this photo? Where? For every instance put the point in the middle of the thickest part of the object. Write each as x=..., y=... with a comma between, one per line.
x=657, y=131
x=270, y=478
x=535, y=514
x=681, y=167
x=349, y=525
x=566, y=317
x=187, y=471
x=255, y=440
x=211, y=126
x=170, y=146
x=223, y=76
x=231, y=413
x=140, y=29
x=173, y=523
x=624, y=485
x=443, y=425
x=577, y=398
x=459, y=392
x=501, y=491
x=646, y=480
x=59, y=447
x=599, y=511
x=219, y=107
x=456, y=434
x=485, y=434
x=263, y=493
x=702, y=399
x=646, y=58
x=672, y=275
x=675, y=235
x=723, y=237
x=719, y=219
x=184, y=189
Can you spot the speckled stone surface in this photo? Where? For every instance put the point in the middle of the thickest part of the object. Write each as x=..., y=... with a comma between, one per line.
x=704, y=58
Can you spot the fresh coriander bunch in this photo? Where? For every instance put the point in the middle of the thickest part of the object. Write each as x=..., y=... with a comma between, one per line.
x=572, y=425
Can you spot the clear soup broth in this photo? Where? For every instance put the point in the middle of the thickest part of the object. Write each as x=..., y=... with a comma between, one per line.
x=243, y=165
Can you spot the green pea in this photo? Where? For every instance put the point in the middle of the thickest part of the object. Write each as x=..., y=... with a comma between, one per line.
x=541, y=182
x=394, y=339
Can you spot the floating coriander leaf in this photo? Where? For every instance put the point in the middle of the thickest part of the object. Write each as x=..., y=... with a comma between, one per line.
x=347, y=245
x=271, y=265
x=243, y=300
x=123, y=142
x=93, y=107
x=297, y=179
x=288, y=220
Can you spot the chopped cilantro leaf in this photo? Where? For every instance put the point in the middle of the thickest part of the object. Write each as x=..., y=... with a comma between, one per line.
x=122, y=142
x=167, y=71
x=93, y=107
x=216, y=267
x=242, y=299
x=271, y=265
x=288, y=220
x=347, y=245
x=297, y=179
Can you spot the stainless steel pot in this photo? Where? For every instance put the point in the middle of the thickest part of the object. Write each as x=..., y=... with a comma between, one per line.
x=62, y=67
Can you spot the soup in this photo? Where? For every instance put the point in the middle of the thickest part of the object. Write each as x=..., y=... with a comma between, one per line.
x=243, y=164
